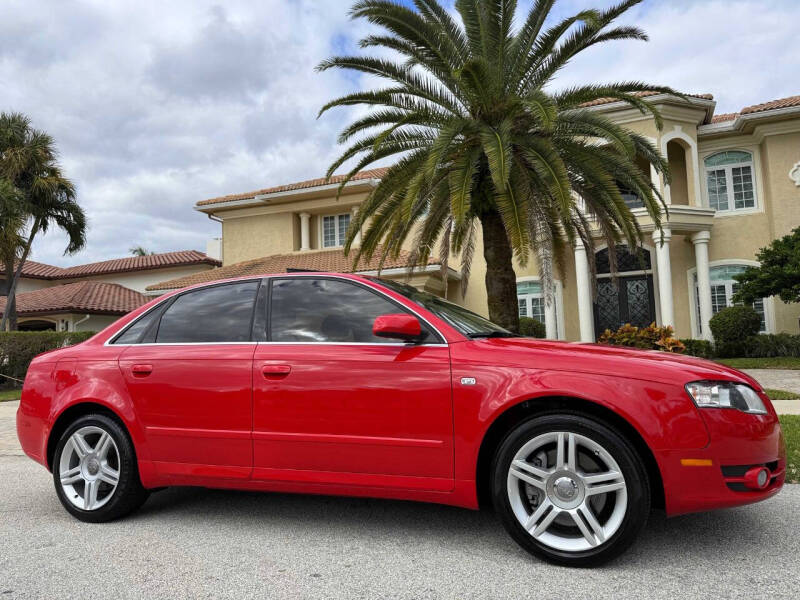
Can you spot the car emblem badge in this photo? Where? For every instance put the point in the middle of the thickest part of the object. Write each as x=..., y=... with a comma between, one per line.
x=468, y=381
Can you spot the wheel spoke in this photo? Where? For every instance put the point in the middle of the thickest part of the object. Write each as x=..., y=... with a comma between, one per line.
x=108, y=474
x=560, y=462
x=545, y=522
x=603, y=483
x=80, y=445
x=90, y=494
x=585, y=510
x=538, y=514
x=529, y=473
x=571, y=452
x=70, y=476
x=103, y=444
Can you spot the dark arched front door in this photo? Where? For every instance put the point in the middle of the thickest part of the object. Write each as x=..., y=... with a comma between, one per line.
x=628, y=300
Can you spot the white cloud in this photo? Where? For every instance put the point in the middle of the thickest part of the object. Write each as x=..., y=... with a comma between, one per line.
x=156, y=105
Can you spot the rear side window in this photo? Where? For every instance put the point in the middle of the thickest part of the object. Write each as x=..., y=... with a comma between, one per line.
x=134, y=333
x=219, y=314
x=327, y=310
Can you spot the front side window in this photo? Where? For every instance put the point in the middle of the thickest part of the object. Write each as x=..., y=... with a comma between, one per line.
x=462, y=320
x=723, y=288
x=729, y=181
x=218, y=314
x=305, y=309
x=334, y=230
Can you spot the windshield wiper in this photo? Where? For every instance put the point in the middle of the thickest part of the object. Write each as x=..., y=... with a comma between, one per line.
x=496, y=333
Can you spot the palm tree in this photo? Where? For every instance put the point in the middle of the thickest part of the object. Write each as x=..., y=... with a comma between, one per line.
x=28, y=161
x=479, y=137
x=139, y=251
x=12, y=223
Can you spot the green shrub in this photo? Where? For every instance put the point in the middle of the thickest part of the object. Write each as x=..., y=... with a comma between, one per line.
x=18, y=348
x=699, y=348
x=651, y=337
x=532, y=327
x=763, y=346
x=735, y=324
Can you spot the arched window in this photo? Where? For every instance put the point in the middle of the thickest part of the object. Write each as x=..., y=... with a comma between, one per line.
x=729, y=180
x=723, y=287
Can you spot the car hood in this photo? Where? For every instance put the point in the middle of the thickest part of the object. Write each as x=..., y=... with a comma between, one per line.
x=654, y=365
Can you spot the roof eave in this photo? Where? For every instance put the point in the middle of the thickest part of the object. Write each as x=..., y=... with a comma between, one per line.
x=707, y=104
x=742, y=120
x=261, y=199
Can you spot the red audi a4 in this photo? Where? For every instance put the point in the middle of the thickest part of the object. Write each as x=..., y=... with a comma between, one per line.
x=341, y=384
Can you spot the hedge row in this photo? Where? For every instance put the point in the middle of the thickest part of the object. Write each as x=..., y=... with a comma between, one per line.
x=18, y=348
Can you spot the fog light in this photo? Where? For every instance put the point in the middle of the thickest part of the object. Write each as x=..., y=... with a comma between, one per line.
x=757, y=478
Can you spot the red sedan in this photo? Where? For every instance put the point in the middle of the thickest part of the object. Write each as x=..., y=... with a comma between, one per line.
x=340, y=384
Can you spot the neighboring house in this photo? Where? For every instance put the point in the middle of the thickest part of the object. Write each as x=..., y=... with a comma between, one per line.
x=92, y=296
x=735, y=187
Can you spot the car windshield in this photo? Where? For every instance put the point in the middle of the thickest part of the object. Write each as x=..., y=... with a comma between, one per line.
x=465, y=321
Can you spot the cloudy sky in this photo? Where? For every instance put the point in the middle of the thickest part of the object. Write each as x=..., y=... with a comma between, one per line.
x=156, y=105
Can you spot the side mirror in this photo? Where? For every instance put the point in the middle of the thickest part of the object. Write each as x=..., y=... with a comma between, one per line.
x=398, y=326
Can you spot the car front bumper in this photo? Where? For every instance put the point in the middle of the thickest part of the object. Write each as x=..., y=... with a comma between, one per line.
x=712, y=477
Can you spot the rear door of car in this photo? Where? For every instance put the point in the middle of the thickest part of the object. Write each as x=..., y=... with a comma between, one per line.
x=334, y=404
x=189, y=373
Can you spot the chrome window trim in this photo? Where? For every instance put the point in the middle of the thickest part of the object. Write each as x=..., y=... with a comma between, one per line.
x=267, y=278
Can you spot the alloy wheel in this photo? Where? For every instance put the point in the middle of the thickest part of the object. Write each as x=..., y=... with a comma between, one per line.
x=567, y=491
x=89, y=468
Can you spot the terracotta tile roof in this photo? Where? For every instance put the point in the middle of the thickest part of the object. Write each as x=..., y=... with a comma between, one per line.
x=300, y=185
x=327, y=261
x=724, y=117
x=35, y=270
x=772, y=105
x=601, y=101
x=92, y=297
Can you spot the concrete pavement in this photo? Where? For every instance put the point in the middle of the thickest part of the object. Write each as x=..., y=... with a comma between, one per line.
x=191, y=543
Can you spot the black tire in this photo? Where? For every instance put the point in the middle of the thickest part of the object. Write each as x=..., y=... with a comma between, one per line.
x=129, y=494
x=626, y=457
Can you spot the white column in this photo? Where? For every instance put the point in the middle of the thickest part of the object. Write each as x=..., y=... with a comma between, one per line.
x=700, y=240
x=551, y=328
x=305, y=231
x=584, y=287
x=357, y=239
x=661, y=240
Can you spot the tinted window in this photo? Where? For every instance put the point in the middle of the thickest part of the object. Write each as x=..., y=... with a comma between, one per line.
x=133, y=334
x=465, y=321
x=326, y=310
x=218, y=314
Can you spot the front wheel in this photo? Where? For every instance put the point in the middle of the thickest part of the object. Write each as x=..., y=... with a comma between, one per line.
x=570, y=490
x=95, y=471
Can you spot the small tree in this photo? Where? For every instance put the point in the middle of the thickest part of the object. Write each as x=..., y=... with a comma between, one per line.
x=778, y=274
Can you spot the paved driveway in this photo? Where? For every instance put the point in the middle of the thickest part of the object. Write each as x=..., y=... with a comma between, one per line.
x=192, y=543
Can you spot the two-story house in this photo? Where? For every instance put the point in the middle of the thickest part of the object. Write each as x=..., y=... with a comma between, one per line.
x=735, y=187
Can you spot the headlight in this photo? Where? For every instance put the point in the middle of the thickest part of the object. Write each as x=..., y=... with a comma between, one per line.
x=726, y=394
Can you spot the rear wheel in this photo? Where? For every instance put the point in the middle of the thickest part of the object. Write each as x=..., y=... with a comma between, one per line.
x=95, y=472
x=570, y=490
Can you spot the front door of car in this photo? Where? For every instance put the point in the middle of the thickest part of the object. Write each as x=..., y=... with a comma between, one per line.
x=189, y=374
x=334, y=404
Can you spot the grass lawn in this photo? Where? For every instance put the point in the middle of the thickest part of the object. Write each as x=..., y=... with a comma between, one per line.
x=791, y=433
x=777, y=362
x=782, y=395
x=9, y=395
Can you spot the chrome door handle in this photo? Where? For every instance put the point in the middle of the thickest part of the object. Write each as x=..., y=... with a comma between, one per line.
x=275, y=370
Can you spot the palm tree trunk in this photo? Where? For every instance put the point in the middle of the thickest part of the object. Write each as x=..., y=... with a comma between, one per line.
x=12, y=290
x=501, y=281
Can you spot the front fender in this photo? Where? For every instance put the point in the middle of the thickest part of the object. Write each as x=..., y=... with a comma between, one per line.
x=662, y=414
